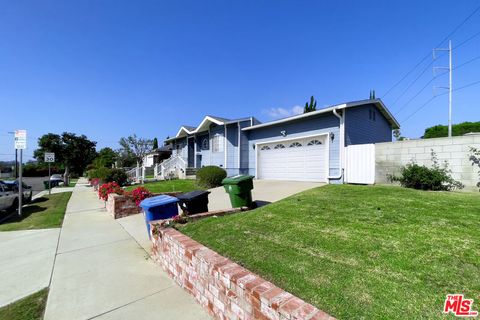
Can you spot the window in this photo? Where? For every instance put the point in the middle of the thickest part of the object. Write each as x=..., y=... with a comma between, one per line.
x=205, y=144
x=314, y=143
x=295, y=145
x=371, y=114
x=265, y=148
x=217, y=145
x=279, y=146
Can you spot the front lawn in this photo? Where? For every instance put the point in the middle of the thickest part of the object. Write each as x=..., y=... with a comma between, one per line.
x=169, y=186
x=28, y=308
x=359, y=251
x=44, y=212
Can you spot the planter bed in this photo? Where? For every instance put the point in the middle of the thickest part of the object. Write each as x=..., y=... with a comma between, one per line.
x=225, y=289
x=121, y=206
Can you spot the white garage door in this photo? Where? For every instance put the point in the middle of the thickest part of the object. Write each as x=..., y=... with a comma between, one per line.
x=301, y=159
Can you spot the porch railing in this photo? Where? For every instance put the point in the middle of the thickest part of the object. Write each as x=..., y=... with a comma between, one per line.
x=173, y=167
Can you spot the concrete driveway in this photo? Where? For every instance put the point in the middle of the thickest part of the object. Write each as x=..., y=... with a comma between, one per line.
x=264, y=192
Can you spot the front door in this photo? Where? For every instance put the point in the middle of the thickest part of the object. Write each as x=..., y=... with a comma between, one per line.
x=191, y=152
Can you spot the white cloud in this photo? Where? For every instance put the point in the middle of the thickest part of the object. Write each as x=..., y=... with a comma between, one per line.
x=280, y=112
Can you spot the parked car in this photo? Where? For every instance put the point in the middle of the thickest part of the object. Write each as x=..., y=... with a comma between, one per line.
x=11, y=186
x=56, y=177
x=8, y=198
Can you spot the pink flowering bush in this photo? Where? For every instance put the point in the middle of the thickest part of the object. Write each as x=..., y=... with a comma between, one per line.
x=139, y=194
x=107, y=188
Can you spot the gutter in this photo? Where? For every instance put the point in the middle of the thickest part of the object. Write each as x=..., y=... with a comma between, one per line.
x=341, y=144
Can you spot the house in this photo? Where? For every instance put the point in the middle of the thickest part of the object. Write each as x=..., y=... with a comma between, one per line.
x=304, y=147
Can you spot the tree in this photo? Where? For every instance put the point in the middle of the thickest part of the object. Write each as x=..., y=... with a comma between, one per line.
x=312, y=106
x=135, y=147
x=74, y=152
x=155, y=144
x=106, y=157
x=398, y=135
x=459, y=129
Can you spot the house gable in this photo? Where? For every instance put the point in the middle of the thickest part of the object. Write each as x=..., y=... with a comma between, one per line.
x=366, y=124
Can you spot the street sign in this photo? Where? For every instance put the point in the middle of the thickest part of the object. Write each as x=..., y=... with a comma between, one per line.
x=20, y=139
x=49, y=157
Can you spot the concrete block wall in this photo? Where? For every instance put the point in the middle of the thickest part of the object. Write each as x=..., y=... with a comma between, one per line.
x=391, y=156
x=224, y=288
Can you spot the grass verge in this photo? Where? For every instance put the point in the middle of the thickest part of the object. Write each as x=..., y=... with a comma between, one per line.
x=28, y=308
x=45, y=212
x=372, y=252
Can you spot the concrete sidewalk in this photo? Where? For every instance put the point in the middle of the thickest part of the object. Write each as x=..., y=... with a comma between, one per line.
x=102, y=272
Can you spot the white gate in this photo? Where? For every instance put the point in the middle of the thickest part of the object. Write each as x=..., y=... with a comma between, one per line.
x=360, y=164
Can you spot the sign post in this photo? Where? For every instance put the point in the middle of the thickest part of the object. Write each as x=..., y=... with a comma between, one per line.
x=20, y=144
x=49, y=158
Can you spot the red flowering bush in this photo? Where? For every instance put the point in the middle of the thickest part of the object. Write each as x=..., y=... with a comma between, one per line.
x=107, y=188
x=139, y=194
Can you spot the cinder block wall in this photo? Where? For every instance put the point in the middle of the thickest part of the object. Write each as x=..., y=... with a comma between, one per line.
x=391, y=156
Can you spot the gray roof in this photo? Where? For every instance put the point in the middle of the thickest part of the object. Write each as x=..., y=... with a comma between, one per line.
x=377, y=102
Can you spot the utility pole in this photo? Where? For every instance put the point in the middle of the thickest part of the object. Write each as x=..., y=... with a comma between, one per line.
x=450, y=83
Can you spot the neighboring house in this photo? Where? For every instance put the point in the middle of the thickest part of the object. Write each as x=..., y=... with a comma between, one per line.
x=157, y=156
x=305, y=147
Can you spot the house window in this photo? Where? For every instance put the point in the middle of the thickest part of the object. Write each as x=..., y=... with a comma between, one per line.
x=217, y=145
x=205, y=144
x=314, y=143
x=295, y=145
x=279, y=146
x=265, y=148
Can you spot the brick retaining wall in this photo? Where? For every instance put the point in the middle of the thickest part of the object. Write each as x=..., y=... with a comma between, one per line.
x=225, y=289
x=120, y=206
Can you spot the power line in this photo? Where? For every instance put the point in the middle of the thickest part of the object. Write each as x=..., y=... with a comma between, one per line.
x=412, y=83
x=467, y=40
x=434, y=97
x=418, y=93
x=467, y=62
x=428, y=55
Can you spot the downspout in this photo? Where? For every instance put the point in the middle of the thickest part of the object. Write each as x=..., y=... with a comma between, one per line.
x=341, y=145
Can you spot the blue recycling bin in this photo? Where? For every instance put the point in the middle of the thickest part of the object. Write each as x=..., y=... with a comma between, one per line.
x=159, y=207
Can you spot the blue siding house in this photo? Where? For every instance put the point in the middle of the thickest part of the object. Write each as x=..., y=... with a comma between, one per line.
x=305, y=147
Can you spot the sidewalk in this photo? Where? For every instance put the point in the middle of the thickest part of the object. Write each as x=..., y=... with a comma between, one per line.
x=102, y=272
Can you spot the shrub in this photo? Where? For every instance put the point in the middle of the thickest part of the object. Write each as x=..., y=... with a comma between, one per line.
x=420, y=177
x=107, y=188
x=139, y=194
x=475, y=159
x=211, y=176
x=100, y=173
x=117, y=175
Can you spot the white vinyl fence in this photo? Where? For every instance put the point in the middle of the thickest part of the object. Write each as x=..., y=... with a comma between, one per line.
x=360, y=164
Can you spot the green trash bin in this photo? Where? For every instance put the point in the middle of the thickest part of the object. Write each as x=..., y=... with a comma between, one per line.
x=239, y=189
x=45, y=184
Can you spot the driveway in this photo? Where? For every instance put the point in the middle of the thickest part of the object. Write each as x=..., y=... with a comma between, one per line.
x=264, y=192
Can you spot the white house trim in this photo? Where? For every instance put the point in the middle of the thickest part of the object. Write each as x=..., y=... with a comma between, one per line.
x=225, y=147
x=238, y=145
x=327, y=150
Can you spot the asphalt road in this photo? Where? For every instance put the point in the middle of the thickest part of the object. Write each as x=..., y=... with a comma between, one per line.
x=36, y=183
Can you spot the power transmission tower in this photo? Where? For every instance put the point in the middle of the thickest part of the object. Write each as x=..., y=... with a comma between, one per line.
x=450, y=88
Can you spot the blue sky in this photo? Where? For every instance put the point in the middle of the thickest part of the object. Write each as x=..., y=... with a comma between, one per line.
x=107, y=69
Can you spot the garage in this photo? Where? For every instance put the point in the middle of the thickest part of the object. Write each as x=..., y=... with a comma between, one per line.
x=301, y=159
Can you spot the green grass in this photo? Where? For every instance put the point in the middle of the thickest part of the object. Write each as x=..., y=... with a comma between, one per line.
x=371, y=252
x=170, y=186
x=28, y=308
x=44, y=212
